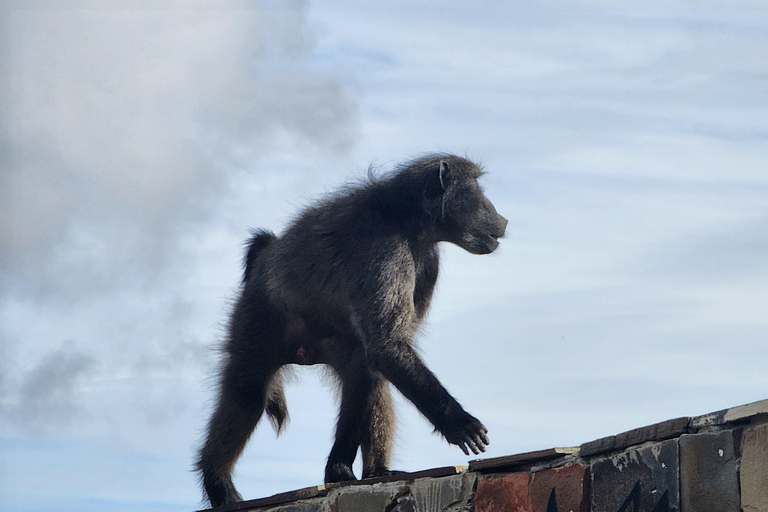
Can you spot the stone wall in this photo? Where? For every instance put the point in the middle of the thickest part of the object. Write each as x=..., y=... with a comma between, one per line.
x=712, y=463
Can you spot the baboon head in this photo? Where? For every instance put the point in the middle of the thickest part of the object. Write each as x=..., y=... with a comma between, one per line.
x=469, y=218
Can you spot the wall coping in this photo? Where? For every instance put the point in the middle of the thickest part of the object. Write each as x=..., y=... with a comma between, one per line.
x=752, y=413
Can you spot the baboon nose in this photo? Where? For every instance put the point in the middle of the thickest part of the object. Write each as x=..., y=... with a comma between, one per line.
x=503, y=225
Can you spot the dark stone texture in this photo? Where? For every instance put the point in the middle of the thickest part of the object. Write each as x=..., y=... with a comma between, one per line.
x=317, y=505
x=637, y=480
x=499, y=493
x=754, y=470
x=435, y=495
x=373, y=498
x=708, y=473
x=404, y=503
x=560, y=489
x=656, y=432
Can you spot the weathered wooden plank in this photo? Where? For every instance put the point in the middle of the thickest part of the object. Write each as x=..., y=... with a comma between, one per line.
x=520, y=459
x=275, y=499
x=732, y=415
x=655, y=432
x=396, y=477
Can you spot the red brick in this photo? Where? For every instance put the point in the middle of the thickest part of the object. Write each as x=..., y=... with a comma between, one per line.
x=503, y=493
x=570, y=485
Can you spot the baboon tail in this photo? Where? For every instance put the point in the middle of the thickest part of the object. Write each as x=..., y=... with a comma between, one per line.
x=260, y=238
x=276, y=406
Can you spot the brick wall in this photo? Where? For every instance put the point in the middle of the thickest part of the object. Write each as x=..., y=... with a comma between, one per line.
x=712, y=463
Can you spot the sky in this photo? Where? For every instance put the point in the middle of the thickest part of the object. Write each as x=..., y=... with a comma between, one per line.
x=627, y=146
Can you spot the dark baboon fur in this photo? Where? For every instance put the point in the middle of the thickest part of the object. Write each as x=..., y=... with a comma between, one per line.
x=348, y=285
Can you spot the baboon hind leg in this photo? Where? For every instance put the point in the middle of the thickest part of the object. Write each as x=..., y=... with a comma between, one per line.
x=237, y=412
x=377, y=430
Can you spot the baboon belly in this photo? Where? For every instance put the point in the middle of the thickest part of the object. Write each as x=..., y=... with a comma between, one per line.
x=309, y=341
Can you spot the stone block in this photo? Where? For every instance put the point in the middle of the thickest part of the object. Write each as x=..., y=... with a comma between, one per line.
x=564, y=489
x=370, y=498
x=503, y=493
x=754, y=470
x=438, y=494
x=637, y=480
x=315, y=505
x=708, y=473
x=404, y=503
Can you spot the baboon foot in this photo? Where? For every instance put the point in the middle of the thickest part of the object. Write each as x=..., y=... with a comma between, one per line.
x=221, y=491
x=338, y=472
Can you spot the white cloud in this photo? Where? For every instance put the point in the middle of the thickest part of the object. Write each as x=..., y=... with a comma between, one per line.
x=123, y=123
x=130, y=134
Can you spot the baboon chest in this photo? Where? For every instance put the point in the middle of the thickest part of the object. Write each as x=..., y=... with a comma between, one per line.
x=426, y=278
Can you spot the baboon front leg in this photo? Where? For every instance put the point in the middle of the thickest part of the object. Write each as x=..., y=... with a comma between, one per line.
x=378, y=429
x=354, y=391
x=400, y=363
x=365, y=418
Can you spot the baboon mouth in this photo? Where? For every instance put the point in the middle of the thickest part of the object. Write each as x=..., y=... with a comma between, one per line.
x=492, y=243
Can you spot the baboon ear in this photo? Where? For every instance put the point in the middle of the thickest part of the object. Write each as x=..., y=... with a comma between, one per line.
x=437, y=182
x=444, y=174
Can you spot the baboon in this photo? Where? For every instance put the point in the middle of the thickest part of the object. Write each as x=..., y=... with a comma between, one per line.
x=348, y=285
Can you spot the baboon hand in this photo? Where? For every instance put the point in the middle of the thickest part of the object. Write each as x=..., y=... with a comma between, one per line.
x=468, y=433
